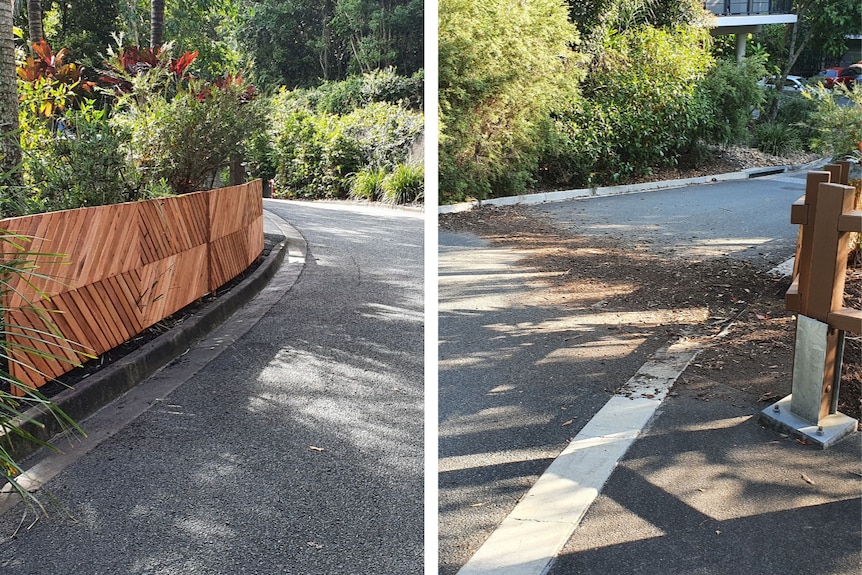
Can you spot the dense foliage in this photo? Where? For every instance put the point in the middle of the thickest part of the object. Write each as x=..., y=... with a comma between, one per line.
x=639, y=108
x=321, y=148
x=501, y=65
x=297, y=42
x=627, y=87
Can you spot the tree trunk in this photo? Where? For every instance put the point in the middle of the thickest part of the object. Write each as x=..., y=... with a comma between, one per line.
x=11, y=192
x=34, y=20
x=157, y=23
x=795, y=48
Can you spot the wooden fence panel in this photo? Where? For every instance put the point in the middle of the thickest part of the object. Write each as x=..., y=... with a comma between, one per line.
x=128, y=266
x=171, y=226
x=94, y=233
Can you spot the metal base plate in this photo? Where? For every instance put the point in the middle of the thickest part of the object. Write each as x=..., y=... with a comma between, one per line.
x=835, y=427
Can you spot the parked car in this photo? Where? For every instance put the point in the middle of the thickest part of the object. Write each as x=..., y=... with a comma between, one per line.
x=847, y=76
x=793, y=84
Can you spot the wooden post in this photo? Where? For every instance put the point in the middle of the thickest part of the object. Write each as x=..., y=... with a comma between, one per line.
x=803, y=214
x=823, y=290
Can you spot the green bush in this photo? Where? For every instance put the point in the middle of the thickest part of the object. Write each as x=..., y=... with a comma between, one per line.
x=639, y=109
x=776, y=138
x=367, y=184
x=837, y=127
x=731, y=94
x=319, y=154
x=359, y=91
x=79, y=163
x=189, y=139
x=501, y=66
x=405, y=185
x=384, y=132
x=315, y=156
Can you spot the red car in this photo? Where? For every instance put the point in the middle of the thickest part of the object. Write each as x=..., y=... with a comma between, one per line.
x=846, y=76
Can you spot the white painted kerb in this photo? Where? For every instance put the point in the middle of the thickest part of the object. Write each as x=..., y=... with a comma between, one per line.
x=528, y=540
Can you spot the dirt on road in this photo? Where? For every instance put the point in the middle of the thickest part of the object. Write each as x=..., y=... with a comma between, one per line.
x=734, y=308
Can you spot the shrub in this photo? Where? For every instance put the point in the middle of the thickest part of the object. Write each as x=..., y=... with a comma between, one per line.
x=405, y=185
x=359, y=91
x=315, y=156
x=187, y=140
x=501, y=65
x=837, y=127
x=639, y=108
x=731, y=93
x=367, y=184
x=776, y=138
x=318, y=154
x=81, y=163
x=384, y=132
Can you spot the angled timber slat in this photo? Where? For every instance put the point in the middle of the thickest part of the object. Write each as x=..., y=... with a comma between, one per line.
x=128, y=266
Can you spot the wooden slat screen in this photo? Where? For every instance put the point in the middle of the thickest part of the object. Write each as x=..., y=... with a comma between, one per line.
x=128, y=267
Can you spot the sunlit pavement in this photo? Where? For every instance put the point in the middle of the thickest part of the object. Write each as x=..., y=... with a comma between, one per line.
x=297, y=449
x=705, y=489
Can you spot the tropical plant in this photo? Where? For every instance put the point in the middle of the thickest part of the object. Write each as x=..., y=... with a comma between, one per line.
x=17, y=343
x=51, y=82
x=163, y=75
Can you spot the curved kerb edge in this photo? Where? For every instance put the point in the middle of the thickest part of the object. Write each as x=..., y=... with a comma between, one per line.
x=106, y=385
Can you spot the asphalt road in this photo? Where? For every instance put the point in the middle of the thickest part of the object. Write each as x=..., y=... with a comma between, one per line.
x=744, y=219
x=297, y=450
x=518, y=379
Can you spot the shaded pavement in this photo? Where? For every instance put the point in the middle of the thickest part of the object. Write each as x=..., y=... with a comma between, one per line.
x=297, y=449
x=704, y=489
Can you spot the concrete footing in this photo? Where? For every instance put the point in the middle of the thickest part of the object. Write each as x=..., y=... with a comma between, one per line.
x=832, y=428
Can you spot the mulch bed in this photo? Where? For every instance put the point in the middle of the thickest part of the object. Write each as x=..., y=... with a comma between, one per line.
x=736, y=308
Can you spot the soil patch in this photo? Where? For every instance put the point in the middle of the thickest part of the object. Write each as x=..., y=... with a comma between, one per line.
x=735, y=309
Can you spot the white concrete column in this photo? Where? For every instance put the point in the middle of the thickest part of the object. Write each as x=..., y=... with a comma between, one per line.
x=741, y=38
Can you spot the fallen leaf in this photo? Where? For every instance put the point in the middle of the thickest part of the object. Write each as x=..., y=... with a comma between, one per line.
x=569, y=422
x=761, y=317
x=314, y=448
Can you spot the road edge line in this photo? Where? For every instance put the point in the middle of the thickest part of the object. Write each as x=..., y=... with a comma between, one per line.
x=532, y=535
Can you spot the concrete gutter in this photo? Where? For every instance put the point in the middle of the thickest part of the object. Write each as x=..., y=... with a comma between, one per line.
x=559, y=196
x=106, y=385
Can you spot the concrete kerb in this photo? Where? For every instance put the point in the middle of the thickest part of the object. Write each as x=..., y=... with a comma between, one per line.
x=559, y=196
x=108, y=384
